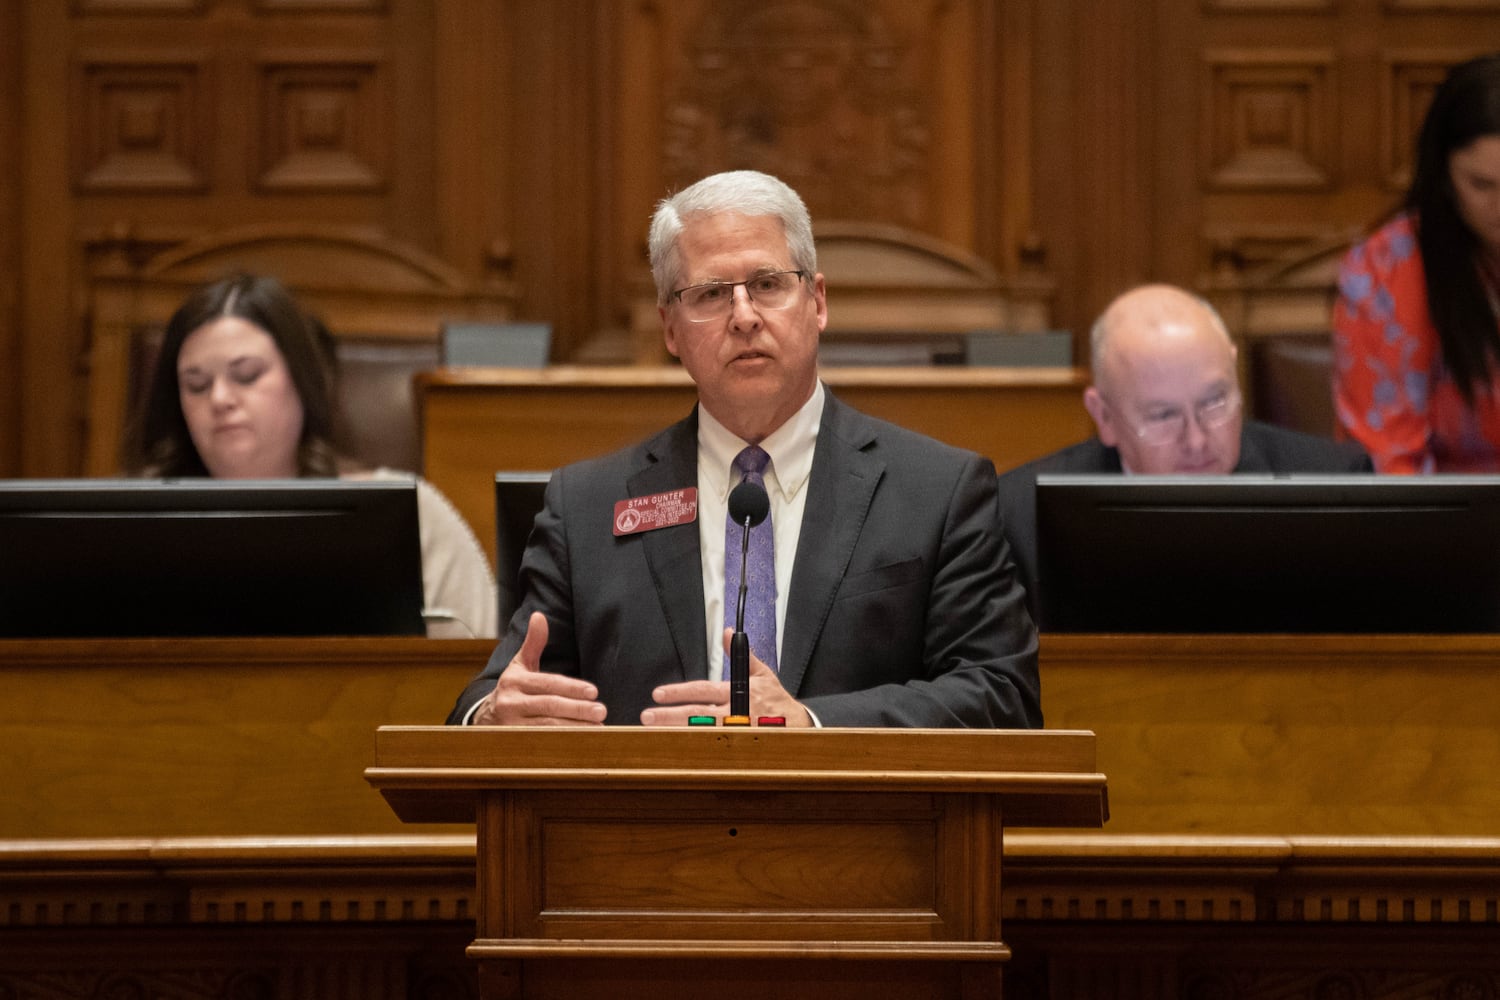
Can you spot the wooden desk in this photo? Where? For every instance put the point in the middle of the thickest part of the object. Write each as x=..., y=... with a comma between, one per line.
x=172, y=737
x=1229, y=735
x=1307, y=735
x=477, y=421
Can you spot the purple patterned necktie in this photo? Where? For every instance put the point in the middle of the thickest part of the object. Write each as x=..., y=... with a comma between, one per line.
x=760, y=579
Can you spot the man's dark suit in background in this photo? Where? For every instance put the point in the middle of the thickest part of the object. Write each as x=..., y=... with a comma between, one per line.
x=1264, y=449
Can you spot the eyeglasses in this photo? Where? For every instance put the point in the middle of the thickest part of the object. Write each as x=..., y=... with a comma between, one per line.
x=714, y=299
x=1166, y=424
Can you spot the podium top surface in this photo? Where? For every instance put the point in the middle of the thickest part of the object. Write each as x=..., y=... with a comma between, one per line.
x=1041, y=777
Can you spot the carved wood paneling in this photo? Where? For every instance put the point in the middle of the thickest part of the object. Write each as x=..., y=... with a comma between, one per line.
x=1242, y=254
x=1164, y=933
x=1092, y=146
x=1411, y=78
x=1090, y=878
x=323, y=123
x=869, y=110
x=829, y=96
x=1269, y=120
x=1112, y=165
x=11, y=340
x=1271, y=980
x=145, y=124
x=253, y=963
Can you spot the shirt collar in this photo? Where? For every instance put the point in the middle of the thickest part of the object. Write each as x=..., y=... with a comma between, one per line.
x=790, y=446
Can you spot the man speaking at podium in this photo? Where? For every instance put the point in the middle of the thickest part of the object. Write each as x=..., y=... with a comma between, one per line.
x=879, y=590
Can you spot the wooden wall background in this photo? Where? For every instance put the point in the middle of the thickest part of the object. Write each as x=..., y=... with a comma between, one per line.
x=1097, y=143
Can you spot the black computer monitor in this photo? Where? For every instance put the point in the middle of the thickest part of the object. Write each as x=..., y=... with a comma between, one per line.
x=140, y=557
x=1335, y=554
x=518, y=499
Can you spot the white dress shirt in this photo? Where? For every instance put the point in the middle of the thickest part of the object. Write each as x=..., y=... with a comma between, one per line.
x=791, y=449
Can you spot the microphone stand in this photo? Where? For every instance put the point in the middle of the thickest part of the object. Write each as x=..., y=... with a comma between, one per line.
x=739, y=643
x=748, y=505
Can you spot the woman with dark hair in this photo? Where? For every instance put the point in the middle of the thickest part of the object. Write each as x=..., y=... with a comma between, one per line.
x=243, y=389
x=1417, y=323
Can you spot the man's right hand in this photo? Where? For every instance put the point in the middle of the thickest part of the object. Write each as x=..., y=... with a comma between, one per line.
x=527, y=695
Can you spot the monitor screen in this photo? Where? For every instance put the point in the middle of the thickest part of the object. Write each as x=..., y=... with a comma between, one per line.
x=142, y=557
x=518, y=500
x=1268, y=554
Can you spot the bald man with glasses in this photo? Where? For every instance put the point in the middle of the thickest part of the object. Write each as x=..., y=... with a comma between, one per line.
x=1165, y=400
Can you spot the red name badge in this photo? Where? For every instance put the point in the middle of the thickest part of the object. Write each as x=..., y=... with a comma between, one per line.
x=659, y=510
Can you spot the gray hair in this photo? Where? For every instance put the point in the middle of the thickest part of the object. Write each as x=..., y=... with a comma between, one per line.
x=747, y=192
x=1099, y=332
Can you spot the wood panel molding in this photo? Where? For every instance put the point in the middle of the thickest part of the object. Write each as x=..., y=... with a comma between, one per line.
x=891, y=285
x=1269, y=119
x=1091, y=145
x=1086, y=877
x=1411, y=78
x=826, y=95
x=1229, y=879
x=228, y=880
x=323, y=119
x=12, y=338
x=1085, y=915
x=145, y=122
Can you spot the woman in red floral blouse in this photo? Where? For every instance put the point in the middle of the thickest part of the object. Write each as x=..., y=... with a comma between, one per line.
x=1417, y=322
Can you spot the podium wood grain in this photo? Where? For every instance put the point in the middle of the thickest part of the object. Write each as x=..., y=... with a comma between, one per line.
x=814, y=854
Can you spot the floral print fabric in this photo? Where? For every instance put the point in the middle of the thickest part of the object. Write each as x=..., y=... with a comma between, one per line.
x=1391, y=390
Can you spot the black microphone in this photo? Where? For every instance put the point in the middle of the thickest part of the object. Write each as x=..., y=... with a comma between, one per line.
x=748, y=505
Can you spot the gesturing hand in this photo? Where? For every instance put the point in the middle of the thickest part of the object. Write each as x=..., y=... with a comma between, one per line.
x=527, y=695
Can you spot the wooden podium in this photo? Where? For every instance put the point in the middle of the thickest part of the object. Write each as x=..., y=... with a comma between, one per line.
x=739, y=862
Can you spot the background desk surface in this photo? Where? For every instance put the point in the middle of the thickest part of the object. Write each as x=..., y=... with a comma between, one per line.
x=477, y=421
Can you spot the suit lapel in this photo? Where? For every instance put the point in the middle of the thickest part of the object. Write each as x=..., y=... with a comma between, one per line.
x=844, y=476
x=672, y=554
x=1252, y=457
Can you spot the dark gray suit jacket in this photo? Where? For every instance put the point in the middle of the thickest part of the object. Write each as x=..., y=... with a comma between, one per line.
x=905, y=609
x=1264, y=448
